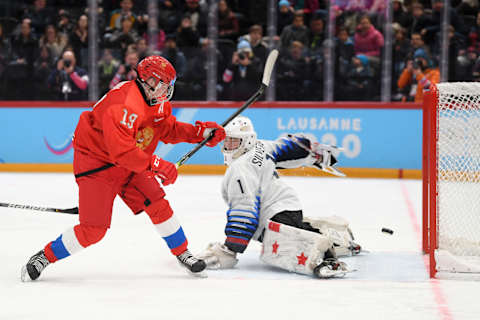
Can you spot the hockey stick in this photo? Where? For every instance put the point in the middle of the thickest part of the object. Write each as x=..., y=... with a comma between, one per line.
x=39, y=208
x=328, y=169
x=267, y=73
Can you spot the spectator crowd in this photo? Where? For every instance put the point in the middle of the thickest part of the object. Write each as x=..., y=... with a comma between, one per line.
x=44, y=47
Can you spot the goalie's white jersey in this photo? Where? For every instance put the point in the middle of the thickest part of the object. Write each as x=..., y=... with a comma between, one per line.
x=254, y=191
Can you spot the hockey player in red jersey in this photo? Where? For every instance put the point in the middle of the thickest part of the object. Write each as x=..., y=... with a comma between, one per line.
x=113, y=155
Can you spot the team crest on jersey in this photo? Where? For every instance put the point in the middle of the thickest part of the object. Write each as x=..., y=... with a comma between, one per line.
x=144, y=137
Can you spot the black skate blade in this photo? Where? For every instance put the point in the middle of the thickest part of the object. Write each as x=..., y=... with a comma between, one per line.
x=200, y=274
x=24, y=275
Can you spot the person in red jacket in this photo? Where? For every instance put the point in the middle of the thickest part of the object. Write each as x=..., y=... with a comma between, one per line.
x=113, y=155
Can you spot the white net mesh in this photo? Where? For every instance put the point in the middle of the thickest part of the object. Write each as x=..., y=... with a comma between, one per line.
x=458, y=185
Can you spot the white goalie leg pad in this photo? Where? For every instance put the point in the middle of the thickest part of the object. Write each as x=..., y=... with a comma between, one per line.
x=293, y=249
x=337, y=229
x=218, y=256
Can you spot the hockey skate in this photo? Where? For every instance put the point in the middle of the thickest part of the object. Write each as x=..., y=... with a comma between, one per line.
x=331, y=268
x=193, y=265
x=34, y=267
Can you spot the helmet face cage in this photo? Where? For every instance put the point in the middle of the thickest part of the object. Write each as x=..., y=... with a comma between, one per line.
x=161, y=70
x=241, y=128
x=163, y=91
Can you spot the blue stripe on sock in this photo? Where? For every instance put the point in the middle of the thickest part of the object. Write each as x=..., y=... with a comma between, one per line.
x=59, y=249
x=176, y=239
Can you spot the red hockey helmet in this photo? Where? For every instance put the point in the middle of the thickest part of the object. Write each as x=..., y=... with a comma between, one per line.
x=164, y=74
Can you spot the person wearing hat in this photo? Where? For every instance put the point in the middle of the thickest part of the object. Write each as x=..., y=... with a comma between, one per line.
x=358, y=83
x=242, y=75
x=418, y=75
x=284, y=15
x=255, y=39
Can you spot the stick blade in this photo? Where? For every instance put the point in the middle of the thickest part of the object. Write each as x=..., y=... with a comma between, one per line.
x=267, y=72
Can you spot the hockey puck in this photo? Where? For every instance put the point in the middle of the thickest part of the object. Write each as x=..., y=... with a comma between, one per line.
x=386, y=230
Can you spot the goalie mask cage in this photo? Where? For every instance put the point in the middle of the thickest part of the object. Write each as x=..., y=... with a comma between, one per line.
x=451, y=180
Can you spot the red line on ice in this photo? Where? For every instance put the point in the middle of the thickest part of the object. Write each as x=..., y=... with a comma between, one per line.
x=439, y=296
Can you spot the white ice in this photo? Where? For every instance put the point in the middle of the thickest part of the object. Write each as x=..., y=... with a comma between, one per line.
x=130, y=274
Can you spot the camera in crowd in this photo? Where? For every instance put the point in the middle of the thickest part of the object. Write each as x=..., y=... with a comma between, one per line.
x=242, y=55
x=67, y=63
x=418, y=63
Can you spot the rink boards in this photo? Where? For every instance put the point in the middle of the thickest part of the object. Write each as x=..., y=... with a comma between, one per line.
x=378, y=139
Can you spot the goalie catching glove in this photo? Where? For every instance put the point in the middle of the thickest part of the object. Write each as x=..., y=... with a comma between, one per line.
x=218, y=256
x=204, y=130
x=323, y=155
x=163, y=169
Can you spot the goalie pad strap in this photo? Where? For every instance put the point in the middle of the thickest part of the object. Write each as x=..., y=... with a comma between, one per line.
x=294, y=219
x=337, y=229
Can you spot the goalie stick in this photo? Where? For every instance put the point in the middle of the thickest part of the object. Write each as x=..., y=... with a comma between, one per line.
x=39, y=208
x=267, y=73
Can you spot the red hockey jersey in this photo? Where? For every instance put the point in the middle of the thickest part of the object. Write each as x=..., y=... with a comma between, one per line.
x=124, y=130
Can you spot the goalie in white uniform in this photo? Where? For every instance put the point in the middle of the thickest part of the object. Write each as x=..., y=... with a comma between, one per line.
x=263, y=208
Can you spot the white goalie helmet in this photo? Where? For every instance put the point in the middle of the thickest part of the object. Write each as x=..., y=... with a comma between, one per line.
x=240, y=138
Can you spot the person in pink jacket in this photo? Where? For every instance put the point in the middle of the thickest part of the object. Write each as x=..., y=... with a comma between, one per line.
x=368, y=40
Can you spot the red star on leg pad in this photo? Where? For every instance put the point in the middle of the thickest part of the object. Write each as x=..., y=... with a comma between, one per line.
x=302, y=259
x=275, y=247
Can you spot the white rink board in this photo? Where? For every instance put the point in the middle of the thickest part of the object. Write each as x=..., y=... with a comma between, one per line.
x=130, y=274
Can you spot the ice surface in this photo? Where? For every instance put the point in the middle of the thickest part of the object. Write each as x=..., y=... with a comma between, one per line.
x=130, y=274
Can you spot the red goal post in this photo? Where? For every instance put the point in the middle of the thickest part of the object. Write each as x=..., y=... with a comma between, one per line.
x=451, y=180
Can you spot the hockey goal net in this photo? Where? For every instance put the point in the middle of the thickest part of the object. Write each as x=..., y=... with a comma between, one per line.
x=451, y=179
